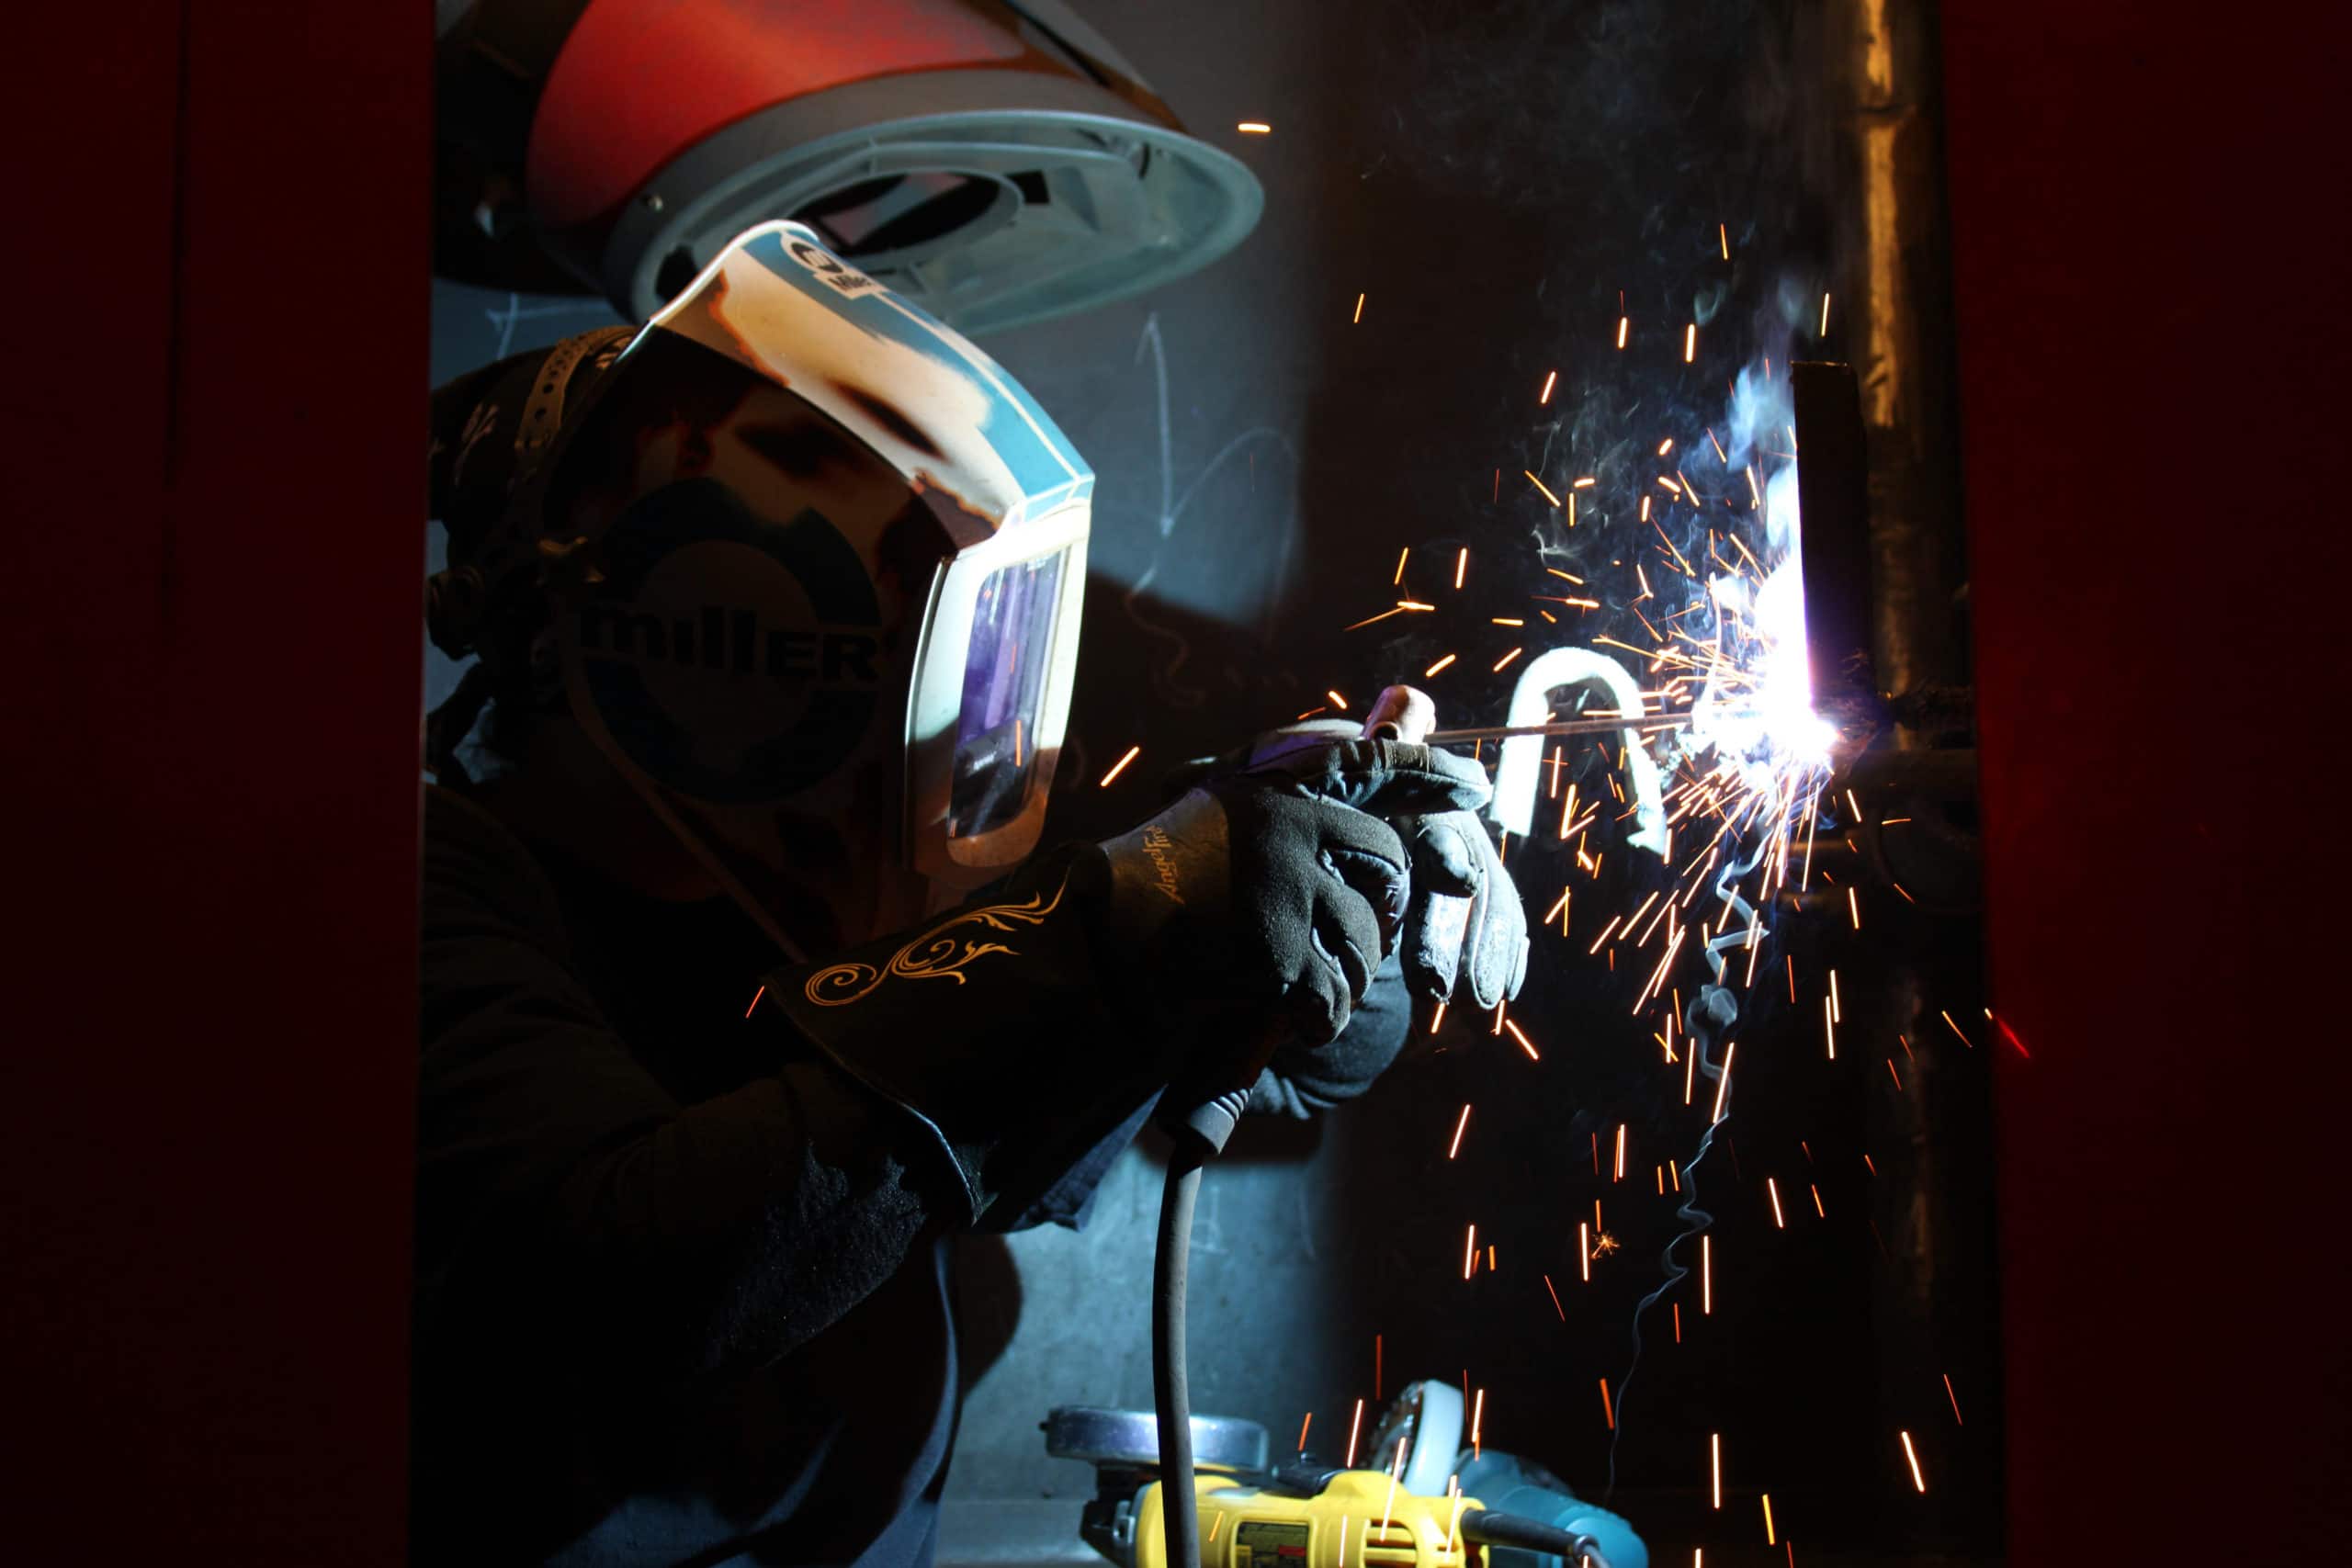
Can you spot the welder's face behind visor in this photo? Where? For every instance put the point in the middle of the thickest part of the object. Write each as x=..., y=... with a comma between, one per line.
x=828, y=627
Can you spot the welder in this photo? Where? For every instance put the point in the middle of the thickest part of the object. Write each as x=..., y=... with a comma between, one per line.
x=744, y=984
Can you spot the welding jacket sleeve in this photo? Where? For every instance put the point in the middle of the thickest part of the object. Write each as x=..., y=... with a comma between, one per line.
x=564, y=1194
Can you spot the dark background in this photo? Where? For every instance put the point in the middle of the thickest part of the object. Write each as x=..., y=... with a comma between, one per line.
x=215, y=384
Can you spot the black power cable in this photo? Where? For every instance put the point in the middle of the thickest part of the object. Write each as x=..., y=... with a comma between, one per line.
x=1490, y=1528
x=1199, y=1134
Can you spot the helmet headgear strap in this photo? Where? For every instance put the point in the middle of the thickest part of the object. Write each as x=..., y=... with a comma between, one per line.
x=461, y=600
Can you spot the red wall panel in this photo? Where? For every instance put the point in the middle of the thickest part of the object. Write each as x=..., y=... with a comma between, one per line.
x=2152, y=333
x=217, y=271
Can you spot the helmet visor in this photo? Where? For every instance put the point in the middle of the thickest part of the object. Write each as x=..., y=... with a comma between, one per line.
x=1005, y=668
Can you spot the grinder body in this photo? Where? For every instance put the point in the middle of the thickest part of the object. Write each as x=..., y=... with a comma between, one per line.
x=1359, y=1516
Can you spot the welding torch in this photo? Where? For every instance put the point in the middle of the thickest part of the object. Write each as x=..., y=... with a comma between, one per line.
x=1566, y=727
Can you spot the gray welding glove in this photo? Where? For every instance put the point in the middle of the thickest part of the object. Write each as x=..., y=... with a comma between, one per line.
x=1466, y=923
x=1023, y=1028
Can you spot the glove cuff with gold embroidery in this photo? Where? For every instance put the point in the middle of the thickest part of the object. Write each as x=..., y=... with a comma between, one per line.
x=987, y=1025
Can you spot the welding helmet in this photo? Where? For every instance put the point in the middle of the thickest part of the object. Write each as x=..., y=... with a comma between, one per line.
x=995, y=162
x=805, y=565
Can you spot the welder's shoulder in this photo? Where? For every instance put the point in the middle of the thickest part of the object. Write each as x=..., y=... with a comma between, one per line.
x=478, y=875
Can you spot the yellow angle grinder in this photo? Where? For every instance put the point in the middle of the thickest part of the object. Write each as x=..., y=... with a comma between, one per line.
x=1294, y=1515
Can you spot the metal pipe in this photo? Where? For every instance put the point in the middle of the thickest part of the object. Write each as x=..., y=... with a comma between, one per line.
x=1882, y=71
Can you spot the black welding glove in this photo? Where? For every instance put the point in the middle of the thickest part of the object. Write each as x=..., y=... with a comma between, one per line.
x=1022, y=1029
x=1303, y=1081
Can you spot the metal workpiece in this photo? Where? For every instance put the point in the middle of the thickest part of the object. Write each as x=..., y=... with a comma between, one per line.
x=1833, y=495
x=1878, y=464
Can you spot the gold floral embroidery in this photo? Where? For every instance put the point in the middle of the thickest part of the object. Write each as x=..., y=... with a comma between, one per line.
x=935, y=954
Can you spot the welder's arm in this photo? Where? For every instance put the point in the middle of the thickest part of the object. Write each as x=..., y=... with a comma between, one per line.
x=1023, y=1029
x=567, y=1205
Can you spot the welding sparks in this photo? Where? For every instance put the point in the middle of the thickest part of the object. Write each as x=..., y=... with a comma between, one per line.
x=1717, y=701
x=755, y=1000
x=1119, y=767
x=1359, y=315
x=1825, y=314
x=1715, y=1467
x=1912, y=1454
x=1955, y=1402
x=1354, y=1427
x=1461, y=564
x=2007, y=1033
x=1254, y=127
x=1768, y=1520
